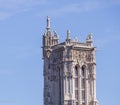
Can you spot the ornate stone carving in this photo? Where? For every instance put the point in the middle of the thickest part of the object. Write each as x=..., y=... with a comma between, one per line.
x=61, y=84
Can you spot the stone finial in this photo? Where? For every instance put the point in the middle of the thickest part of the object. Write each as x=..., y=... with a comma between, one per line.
x=55, y=38
x=68, y=34
x=75, y=39
x=48, y=23
x=68, y=39
x=55, y=34
x=89, y=38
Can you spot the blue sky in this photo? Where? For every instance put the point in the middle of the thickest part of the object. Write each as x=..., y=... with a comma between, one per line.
x=22, y=24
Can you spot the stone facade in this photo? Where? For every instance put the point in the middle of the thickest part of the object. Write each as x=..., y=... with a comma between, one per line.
x=69, y=70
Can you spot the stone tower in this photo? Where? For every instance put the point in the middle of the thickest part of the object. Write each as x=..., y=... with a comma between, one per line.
x=69, y=70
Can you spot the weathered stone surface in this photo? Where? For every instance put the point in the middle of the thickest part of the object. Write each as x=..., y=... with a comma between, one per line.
x=69, y=70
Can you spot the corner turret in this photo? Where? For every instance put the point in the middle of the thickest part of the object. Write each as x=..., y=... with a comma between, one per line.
x=48, y=23
x=89, y=40
x=68, y=40
x=47, y=37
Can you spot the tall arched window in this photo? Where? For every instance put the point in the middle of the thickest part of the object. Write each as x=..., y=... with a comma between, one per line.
x=76, y=71
x=83, y=71
x=76, y=77
x=59, y=86
x=83, y=84
x=76, y=83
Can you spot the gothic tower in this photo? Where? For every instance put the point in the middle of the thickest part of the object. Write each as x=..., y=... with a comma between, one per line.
x=69, y=70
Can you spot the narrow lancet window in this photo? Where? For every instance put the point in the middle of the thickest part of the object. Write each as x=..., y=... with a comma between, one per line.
x=83, y=84
x=76, y=83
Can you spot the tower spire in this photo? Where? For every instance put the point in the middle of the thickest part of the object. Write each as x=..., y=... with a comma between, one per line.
x=68, y=34
x=68, y=37
x=48, y=23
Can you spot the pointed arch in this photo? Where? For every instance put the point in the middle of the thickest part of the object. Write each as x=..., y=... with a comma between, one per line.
x=76, y=70
x=83, y=68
